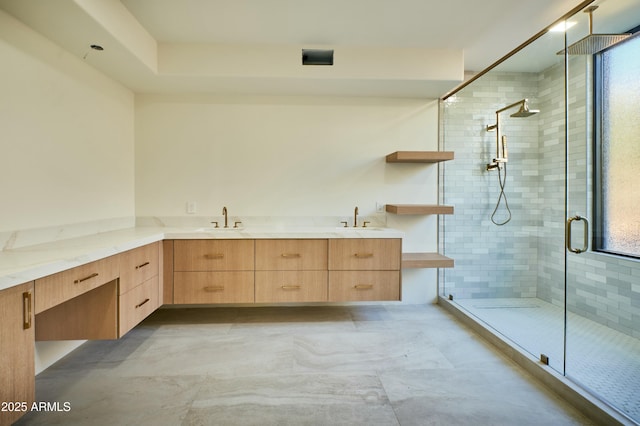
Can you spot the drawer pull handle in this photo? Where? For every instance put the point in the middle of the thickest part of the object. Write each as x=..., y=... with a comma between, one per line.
x=363, y=255
x=363, y=286
x=142, y=303
x=213, y=289
x=26, y=299
x=290, y=287
x=290, y=255
x=142, y=266
x=214, y=256
x=95, y=274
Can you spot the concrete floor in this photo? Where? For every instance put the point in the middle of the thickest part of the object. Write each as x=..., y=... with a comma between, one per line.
x=353, y=365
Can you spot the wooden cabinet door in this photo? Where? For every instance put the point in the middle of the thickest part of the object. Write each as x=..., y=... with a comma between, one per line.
x=364, y=285
x=17, y=368
x=213, y=255
x=137, y=266
x=362, y=254
x=291, y=286
x=213, y=287
x=63, y=286
x=291, y=255
x=137, y=304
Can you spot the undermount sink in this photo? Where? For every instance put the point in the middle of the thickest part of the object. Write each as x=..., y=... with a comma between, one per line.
x=221, y=229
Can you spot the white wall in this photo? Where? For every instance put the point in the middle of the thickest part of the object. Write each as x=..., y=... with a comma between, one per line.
x=66, y=143
x=66, y=136
x=289, y=156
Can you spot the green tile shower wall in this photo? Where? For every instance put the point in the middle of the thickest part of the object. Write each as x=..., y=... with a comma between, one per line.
x=491, y=261
x=525, y=258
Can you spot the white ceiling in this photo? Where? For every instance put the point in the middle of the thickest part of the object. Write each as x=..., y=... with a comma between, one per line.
x=138, y=36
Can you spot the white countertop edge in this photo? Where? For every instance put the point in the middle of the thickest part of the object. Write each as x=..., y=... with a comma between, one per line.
x=29, y=263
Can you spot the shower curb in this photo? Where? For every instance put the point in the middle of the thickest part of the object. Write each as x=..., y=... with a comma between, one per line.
x=589, y=405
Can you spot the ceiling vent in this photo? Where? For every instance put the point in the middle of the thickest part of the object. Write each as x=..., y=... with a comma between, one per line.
x=317, y=57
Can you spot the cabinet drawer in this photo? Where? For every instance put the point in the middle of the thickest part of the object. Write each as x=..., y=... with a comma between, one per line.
x=364, y=254
x=291, y=255
x=291, y=286
x=57, y=288
x=137, y=304
x=213, y=255
x=137, y=266
x=364, y=285
x=213, y=287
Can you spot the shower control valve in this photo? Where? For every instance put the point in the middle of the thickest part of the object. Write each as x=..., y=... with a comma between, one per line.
x=494, y=165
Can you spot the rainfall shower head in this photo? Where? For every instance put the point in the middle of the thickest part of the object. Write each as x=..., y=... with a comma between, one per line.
x=524, y=110
x=593, y=43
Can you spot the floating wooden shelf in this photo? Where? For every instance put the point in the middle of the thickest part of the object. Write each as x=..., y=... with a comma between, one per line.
x=419, y=156
x=426, y=260
x=418, y=209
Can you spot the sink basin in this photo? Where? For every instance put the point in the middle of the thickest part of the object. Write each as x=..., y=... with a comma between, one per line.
x=212, y=229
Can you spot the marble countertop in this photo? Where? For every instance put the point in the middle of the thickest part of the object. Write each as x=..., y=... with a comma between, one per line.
x=28, y=263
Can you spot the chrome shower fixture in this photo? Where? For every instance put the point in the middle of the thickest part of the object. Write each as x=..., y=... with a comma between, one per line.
x=501, y=141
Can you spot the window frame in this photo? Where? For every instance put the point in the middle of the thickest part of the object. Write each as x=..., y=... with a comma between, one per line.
x=597, y=240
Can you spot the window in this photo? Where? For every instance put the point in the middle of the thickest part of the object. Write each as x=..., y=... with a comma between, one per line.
x=617, y=133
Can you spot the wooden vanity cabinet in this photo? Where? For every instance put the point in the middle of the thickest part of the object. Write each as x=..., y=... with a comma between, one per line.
x=291, y=270
x=213, y=271
x=364, y=269
x=139, y=290
x=17, y=367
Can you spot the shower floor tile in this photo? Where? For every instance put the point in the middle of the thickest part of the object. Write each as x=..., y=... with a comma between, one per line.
x=604, y=361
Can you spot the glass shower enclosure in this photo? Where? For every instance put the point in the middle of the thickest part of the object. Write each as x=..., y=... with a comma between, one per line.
x=525, y=197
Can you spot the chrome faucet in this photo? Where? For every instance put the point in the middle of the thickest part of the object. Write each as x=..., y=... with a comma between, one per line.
x=226, y=219
x=355, y=218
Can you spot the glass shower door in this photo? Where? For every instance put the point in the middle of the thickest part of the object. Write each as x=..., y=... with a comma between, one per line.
x=602, y=349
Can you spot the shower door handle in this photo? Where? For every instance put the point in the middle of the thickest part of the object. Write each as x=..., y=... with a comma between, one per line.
x=585, y=245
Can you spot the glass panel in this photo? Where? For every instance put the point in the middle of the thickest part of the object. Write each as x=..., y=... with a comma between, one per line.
x=507, y=232
x=603, y=297
x=519, y=278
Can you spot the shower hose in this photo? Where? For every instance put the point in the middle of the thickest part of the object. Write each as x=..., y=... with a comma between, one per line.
x=502, y=182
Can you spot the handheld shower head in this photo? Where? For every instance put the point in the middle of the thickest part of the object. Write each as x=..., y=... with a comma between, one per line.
x=502, y=157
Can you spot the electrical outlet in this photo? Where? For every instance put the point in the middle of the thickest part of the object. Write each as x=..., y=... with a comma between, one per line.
x=379, y=207
x=191, y=207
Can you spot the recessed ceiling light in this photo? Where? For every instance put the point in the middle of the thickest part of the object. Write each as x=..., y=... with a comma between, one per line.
x=562, y=26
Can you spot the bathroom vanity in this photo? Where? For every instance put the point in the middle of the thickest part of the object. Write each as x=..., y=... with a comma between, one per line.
x=286, y=270
x=100, y=286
